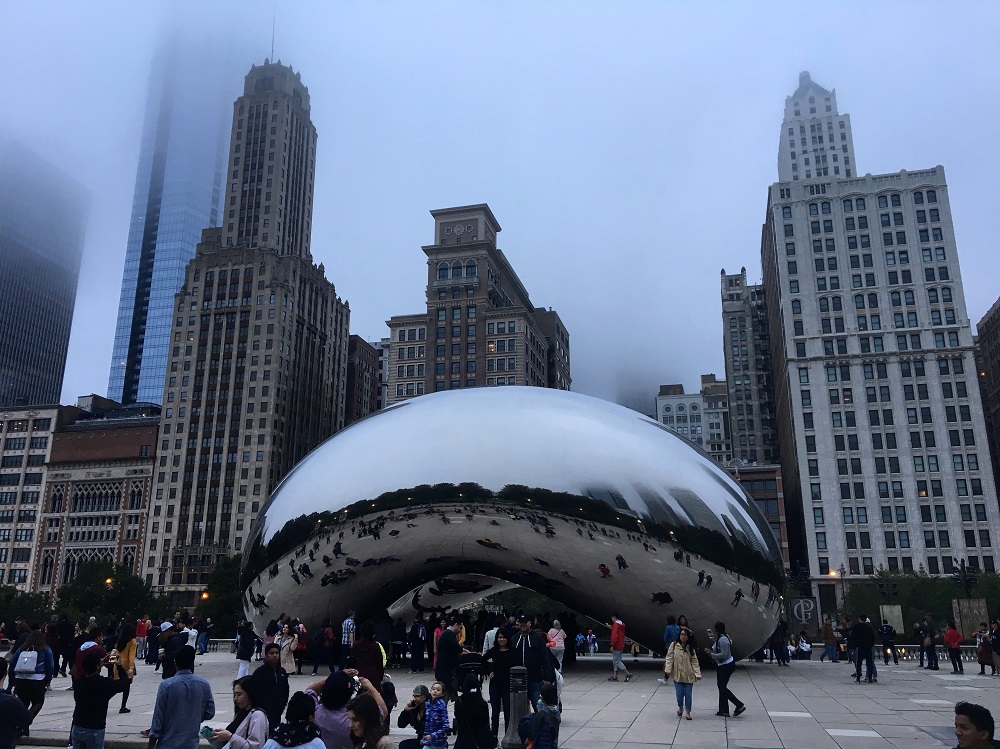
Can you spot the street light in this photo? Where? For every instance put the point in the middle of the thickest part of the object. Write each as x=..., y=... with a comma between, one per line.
x=204, y=595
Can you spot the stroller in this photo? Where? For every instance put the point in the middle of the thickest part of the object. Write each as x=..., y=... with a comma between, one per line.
x=470, y=663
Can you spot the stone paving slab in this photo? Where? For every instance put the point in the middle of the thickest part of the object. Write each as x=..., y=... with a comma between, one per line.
x=809, y=704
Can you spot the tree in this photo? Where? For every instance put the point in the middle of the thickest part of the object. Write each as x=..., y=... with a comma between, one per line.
x=34, y=607
x=224, y=603
x=108, y=592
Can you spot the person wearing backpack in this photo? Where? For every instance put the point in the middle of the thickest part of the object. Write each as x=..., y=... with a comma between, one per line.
x=34, y=668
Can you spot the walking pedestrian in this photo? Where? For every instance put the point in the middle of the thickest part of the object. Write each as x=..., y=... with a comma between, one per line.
x=928, y=634
x=670, y=632
x=34, y=667
x=246, y=645
x=682, y=666
x=347, y=630
x=829, y=642
x=558, y=636
x=953, y=639
x=250, y=727
x=16, y=718
x=721, y=652
x=299, y=729
x=531, y=651
x=271, y=684
x=617, y=648
x=863, y=639
x=183, y=701
x=122, y=661
x=496, y=666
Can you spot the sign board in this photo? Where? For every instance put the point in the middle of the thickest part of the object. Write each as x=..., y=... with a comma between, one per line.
x=968, y=613
x=804, y=615
x=894, y=614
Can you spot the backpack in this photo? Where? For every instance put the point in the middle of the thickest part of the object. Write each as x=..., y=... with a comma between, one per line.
x=27, y=662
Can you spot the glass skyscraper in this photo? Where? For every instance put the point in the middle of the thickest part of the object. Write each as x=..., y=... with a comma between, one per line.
x=178, y=192
x=43, y=216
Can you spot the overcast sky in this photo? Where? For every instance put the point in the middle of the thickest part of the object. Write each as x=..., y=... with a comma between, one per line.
x=625, y=147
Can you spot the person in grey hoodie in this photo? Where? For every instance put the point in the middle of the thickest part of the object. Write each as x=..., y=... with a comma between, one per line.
x=721, y=653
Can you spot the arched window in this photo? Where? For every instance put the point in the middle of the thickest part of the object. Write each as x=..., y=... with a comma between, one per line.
x=666, y=409
x=932, y=196
x=680, y=407
x=456, y=270
x=694, y=406
x=442, y=271
x=471, y=271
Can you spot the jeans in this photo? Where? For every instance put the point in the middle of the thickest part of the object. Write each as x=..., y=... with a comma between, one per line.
x=684, y=694
x=203, y=643
x=932, y=656
x=534, y=693
x=829, y=651
x=722, y=676
x=243, y=670
x=86, y=738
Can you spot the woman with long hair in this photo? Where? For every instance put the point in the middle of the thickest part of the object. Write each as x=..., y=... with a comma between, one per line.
x=299, y=728
x=682, y=666
x=122, y=664
x=287, y=641
x=367, y=729
x=248, y=729
x=472, y=717
x=721, y=653
x=30, y=684
x=366, y=654
x=496, y=666
x=441, y=627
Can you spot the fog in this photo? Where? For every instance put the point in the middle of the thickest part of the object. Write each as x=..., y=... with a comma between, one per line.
x=625, y=148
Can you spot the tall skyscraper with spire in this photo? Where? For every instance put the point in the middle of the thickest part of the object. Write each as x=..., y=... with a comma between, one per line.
x=257, y=364
x=881, y=431
x=178, y=192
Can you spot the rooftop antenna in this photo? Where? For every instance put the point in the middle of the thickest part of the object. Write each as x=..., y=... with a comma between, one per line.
x=274, y=16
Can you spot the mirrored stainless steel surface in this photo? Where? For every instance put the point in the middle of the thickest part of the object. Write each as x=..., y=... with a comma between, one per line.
x=438, y=501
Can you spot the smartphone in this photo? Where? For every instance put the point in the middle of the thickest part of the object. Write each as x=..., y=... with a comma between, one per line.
x=206, y=732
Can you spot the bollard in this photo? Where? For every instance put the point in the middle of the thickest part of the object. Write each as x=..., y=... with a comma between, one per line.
x=518, y=706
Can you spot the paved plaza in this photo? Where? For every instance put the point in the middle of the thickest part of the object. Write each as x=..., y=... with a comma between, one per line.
x=809, y=704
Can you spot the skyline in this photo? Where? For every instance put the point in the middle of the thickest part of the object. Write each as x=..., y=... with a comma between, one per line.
x=573, y=152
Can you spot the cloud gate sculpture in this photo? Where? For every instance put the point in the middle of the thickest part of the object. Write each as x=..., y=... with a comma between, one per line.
x=441, y=500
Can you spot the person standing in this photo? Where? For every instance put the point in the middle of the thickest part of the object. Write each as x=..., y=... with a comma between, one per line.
x=91, y=696
x=122, y=661
x=888, y=634
x=928, y=635
x=863, y=639
x=205, y=627
x=271, y=682
x=141, y=629
x=249, y=728
x=436, y=726
x=183, y=701
x=984, y=650
x=287, y=641
x=170, y=643
x=496, y=666
x=324, y=647
x=418, y=640
x=367, y=655
x=953, y=639
x=531, y=651
x=448, y=651
x=299, y=728
x=558, y=636
x=682, y=666
x=246, y=646
x=472, y=716
x=617, y=648
x=347, y=630
x=722, y=653
x=670, y=632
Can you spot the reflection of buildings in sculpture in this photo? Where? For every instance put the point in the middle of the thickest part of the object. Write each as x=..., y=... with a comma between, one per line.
x=988, y=365
x=362, y=380
x=747, y=349
x=97, y=494
x=382, y=348
x=480, y=328
x=528, y=513
x=256, y=375
x=763, y=484
x=26, y=440
x=882, y=431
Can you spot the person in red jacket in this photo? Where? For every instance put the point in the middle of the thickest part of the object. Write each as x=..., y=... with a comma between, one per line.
x=953, y=639
x=617, y=647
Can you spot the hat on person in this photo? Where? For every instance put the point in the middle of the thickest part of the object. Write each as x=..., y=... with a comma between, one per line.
x=523, y=618
x=165, y=626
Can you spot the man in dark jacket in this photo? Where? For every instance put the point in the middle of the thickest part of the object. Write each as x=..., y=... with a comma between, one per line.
x=888, y=634
x=271, y=681
x=531, y=651
x=863, y=638
x=448, y=651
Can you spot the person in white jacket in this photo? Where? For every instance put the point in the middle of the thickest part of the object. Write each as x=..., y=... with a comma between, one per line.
x=250, y=726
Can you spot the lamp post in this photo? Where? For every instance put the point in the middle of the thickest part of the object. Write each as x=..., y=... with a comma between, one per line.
x=843, y=588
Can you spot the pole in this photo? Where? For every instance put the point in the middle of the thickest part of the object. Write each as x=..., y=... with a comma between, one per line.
x=518, y=707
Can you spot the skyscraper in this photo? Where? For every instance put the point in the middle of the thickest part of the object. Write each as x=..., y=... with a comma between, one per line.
x=480, y=327
x=42, y=222
x=988, y=366
x=178, y=192
x=880, y=425
x=257, y=366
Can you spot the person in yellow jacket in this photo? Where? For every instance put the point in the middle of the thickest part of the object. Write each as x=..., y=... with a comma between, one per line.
x=122, y=659
x=682, y=666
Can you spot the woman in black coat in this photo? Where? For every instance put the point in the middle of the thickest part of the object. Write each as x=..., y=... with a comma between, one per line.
x=472, y=717
x=496, y=665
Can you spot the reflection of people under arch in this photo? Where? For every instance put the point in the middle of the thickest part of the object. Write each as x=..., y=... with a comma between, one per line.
x=489, y=543
x=605, y=570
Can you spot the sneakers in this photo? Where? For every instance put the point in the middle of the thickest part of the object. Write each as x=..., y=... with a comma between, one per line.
x=661, y=681
x=739, y=711
x=613, y=678
x=629, y=677
x=723, y=715
x=124, y=710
